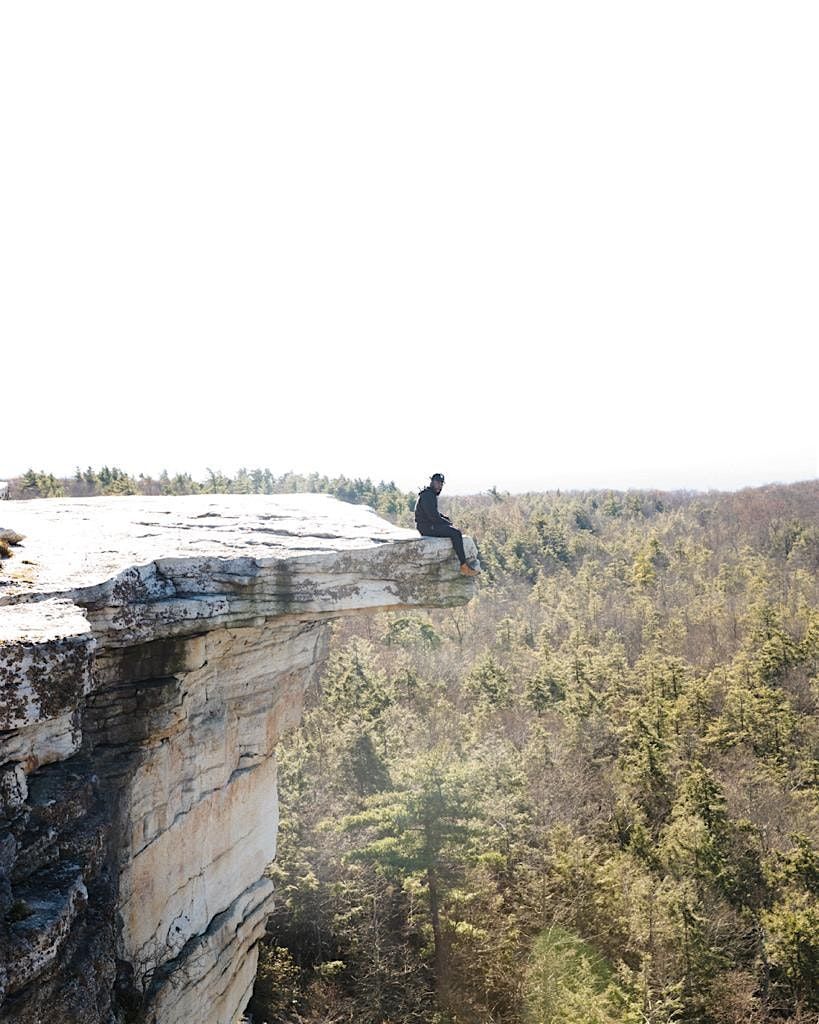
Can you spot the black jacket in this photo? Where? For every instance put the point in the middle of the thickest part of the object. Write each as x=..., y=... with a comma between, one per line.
x=427, y=516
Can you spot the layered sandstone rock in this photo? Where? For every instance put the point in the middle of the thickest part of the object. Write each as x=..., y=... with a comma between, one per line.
x=152, y=651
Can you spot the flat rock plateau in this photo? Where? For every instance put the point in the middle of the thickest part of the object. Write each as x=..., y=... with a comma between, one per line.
x=152, y=652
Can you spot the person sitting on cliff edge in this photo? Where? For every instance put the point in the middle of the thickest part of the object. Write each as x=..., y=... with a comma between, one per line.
x=431, y=523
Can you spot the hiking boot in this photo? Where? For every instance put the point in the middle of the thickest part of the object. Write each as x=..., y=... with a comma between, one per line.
x=467, y=570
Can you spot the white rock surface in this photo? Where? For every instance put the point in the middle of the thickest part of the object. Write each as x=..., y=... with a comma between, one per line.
x=164, y=644
x=83, y=542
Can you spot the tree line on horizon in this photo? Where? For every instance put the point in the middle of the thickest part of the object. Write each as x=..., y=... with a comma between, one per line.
x=385, y=497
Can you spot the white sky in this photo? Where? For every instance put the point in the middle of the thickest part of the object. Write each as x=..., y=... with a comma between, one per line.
x=529, y=245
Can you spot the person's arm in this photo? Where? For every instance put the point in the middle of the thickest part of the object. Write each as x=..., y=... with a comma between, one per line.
x=439, y=517
x=429, y=506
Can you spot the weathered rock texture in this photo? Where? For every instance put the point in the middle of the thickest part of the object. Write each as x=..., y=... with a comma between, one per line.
x=152, y=651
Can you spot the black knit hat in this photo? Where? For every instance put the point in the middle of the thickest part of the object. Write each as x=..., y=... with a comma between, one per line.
x=437, y=476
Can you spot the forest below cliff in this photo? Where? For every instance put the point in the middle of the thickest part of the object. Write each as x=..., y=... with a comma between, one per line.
x=591, y=796
x=588, y=797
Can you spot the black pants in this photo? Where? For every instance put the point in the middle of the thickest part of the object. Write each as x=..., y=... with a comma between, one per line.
x=443, y=530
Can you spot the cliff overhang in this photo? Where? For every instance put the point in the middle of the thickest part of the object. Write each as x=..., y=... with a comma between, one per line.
x=152, y=651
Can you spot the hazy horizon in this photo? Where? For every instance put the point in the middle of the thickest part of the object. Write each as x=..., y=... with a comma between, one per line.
x=449, y=489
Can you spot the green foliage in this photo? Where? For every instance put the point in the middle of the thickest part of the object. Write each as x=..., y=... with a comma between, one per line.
x=36, y=485
x=422, y=826
x=410, y=631
x=543, y=689
x=277, y=978
x=792, y=941
x=791, y=924
x=353, y=685
x=488, y=682
x=568, y=982
x=797, y=867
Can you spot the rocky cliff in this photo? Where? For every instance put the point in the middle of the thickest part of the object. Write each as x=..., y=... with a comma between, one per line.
x=152, y=651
